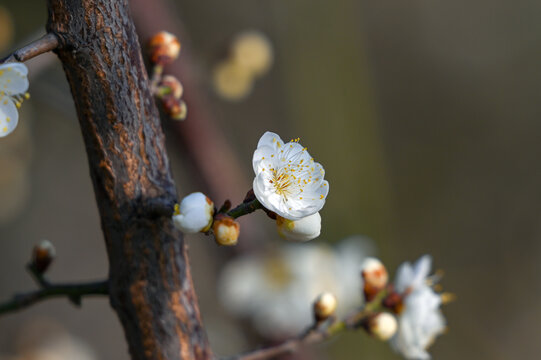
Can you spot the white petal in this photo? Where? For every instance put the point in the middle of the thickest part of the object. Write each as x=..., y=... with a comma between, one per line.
x=9, y=117
x=264, y=158
x=305, y=229
x=270, y=139
x=13, y=78
x=421, y=270
x=196, y=213
x=404, y=277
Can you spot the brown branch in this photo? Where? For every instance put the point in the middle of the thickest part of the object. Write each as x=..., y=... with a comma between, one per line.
x=287, y=347
x=74, y=292
x=317, y=333
x=46, y=43
x=150, y=285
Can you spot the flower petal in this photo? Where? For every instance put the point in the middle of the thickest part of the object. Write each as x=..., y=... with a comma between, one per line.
x=9, y=117
x=13, y=78
x=264, y=158
x=270, y=139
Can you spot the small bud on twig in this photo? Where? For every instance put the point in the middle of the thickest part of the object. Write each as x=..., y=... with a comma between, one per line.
x=194, y=214
x=43, y=255
x=175, y=108
x=170, y=85
x=382, y=326
x=324, y=306
x=164, y=48
x=305, y=229
x=375, y=277
x=226, y=230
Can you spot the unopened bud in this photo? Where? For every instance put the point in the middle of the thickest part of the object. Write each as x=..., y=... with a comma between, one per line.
x=171, y=85
x=43, y=255
x=305, y=229
x=382, y=326
x=164, y=48
x=226, y=230
x=175, y=108
x=194, y=214
x=325, y=306
x=375, y=277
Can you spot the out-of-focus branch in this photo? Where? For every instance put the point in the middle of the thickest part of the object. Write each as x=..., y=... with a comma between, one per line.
x=315, y=334
x=46, y=43
x=286, y=347
x=74, y=292
x=199, y=134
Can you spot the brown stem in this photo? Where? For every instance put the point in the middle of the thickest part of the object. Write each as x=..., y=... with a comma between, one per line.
x=287, y=347
x=319, y=332
x=150, y=282
x=46, y=43
x=74, y=292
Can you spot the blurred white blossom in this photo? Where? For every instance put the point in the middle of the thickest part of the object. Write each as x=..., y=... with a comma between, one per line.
x=13, y=87
x=276, y=291
x=287, y=180
x=420, y=320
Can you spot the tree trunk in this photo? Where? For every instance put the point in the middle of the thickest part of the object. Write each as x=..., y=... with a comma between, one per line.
x=150, y=283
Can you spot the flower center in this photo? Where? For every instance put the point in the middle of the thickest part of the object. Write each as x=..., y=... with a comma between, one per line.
x=282, y=181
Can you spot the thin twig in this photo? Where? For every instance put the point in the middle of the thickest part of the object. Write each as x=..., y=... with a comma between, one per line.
x=74, y=292
x=46, y=43
x=319, y=332
x=245, y=208
x=286, y=347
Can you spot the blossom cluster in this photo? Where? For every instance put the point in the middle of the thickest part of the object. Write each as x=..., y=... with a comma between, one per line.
x=288, y=184
x=410, y=313
x=274, y=289
x=13, y=87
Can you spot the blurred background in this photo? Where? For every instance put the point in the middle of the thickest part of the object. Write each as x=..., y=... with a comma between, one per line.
x=425, y=115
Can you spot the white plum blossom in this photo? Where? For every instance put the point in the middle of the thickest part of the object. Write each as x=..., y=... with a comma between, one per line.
x=194, y=214
x=287, y=180
x=421, y=319
x=305, y=229
x=13, y=87
x=276, y=290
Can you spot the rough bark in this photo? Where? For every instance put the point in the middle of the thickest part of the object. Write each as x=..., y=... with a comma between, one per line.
x=150, y=283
